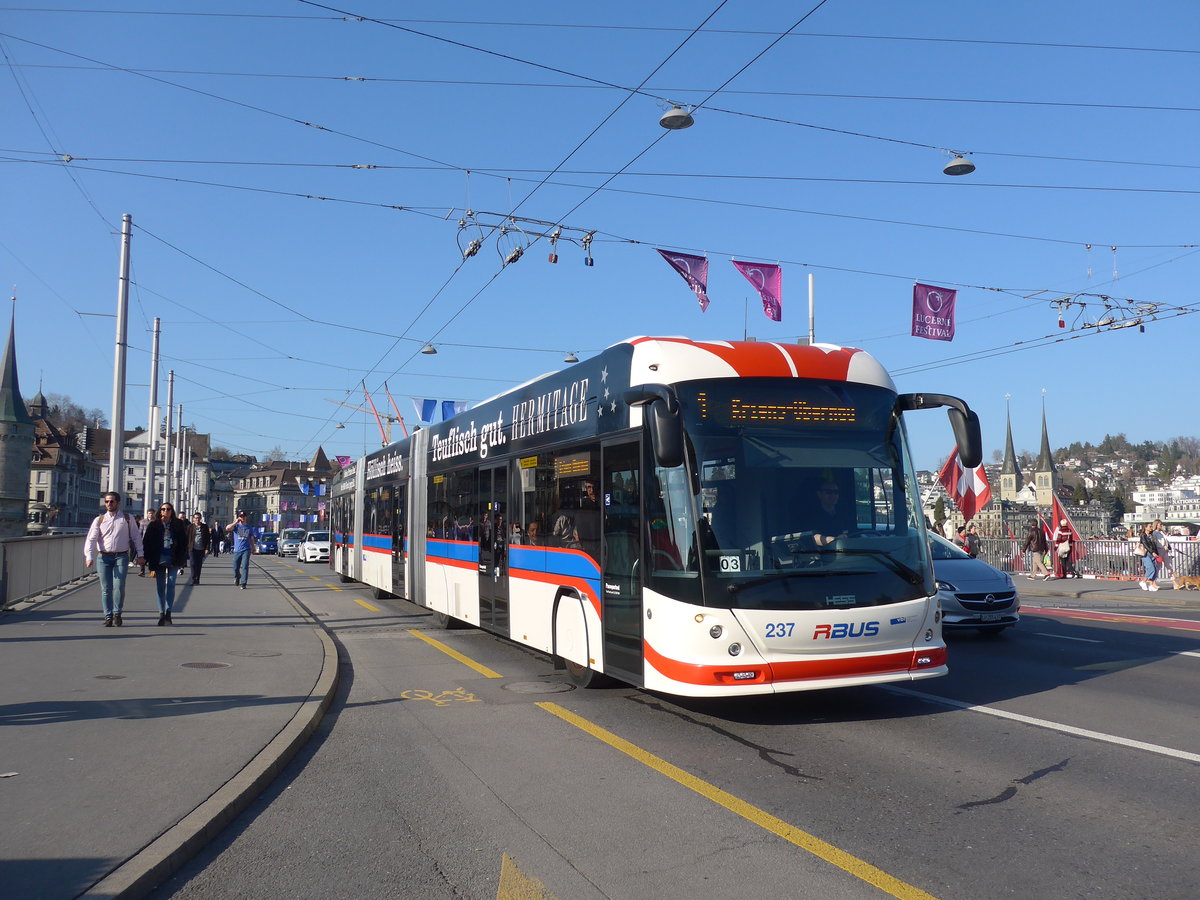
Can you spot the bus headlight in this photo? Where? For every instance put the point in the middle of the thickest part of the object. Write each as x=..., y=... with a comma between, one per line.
x=929, y=634
x=715, y=632
x=735, y=648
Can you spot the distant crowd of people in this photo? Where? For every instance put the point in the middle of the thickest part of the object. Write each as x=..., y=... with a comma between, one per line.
x=164, y=545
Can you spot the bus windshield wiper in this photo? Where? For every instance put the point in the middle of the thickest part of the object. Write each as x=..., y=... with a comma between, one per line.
x=736, y=586
x=912, y=576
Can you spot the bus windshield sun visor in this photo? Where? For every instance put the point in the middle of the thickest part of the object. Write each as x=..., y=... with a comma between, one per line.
x=963, y=421
x=663, y=419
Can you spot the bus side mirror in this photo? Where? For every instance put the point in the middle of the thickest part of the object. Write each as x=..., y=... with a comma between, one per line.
x=963, y=421
x=660, y=407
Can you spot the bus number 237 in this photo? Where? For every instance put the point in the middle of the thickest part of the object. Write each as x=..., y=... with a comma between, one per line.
x=780, y=629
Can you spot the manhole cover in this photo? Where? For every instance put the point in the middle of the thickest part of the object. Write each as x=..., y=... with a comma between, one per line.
x=204, y=665
x=538, y=687
x=110, y=677
x=254, y=654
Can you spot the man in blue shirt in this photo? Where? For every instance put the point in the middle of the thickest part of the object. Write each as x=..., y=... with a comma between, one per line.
x=243, y=546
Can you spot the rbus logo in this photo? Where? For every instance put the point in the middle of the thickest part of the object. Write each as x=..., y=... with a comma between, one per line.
x=846, y=630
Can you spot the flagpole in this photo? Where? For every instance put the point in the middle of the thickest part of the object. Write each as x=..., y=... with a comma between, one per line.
x=745, y=318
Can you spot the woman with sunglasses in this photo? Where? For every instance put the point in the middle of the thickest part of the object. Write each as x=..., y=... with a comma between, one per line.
x=166, y=549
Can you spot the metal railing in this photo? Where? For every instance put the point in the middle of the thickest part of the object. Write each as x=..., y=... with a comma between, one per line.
x=33, y=565
x=1104, y=558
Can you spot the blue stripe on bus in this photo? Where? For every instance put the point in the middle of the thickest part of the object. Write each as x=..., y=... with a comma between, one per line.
x=462, y=551
x=377, y=542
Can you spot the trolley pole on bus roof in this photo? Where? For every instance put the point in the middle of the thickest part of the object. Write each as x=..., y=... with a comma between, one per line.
x=811, y=311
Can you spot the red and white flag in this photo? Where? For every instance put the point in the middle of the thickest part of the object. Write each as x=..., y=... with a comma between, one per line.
x=968, y=488
x=1078, y=548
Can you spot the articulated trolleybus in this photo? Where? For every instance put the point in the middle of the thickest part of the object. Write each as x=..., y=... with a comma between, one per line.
x=702, y=518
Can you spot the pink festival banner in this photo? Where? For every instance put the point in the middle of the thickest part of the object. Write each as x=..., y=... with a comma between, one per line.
x=694, y=270
x=933, y=312
x=767, y=279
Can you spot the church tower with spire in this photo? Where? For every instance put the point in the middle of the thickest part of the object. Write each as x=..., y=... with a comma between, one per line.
x=1046, y=476
x=16, y=444
x=1011, y=481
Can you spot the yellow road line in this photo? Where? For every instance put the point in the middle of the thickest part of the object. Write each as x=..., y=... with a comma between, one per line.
x=852, y=864
x=465, y=660
x=362, y=603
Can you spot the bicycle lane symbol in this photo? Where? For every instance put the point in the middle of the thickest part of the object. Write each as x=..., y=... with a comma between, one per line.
x=444, y=698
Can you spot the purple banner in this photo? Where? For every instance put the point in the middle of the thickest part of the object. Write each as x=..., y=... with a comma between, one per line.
x=694, y=270
x=767, y=279
x=933, y=312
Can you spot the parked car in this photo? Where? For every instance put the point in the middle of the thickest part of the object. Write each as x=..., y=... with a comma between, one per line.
x=290, y=540
x=973, y=594
x=314, y=548
x=268, y=542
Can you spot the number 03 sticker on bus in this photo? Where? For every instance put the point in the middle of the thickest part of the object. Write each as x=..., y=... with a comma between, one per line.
x=702, y=518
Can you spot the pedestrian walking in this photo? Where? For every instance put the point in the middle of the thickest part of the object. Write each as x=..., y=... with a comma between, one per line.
x=243, y=548
x=166, y=553
x=198, y=540
x=1064, y=551
x=1149, y=556
x=109, y=539
x=218, y=533
x=1036, y=544
x=973, y=542
x=1165, y=568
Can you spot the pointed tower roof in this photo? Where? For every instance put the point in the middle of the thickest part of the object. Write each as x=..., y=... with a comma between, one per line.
x=1010, y=466
x=320, y=462
x=12, y=407
x=1046, y=458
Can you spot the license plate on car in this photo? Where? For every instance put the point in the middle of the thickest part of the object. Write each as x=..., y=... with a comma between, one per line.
x=990, y=617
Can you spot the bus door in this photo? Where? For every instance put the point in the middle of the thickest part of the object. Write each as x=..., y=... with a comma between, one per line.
x=621, y=589
x=399, y=513
x=493, y=549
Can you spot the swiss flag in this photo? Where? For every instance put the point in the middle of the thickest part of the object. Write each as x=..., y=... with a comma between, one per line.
x=968, y=488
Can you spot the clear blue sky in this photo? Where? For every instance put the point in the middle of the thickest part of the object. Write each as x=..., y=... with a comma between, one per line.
x=1082, y=119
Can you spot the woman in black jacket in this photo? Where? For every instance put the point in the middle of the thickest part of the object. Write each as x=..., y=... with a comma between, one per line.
x=166, y=550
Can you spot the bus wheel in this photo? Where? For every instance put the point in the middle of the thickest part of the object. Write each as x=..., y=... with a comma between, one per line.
x=442, y=620
x=582, y=676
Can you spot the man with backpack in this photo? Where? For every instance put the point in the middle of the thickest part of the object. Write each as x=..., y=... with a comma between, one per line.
x=112, y=535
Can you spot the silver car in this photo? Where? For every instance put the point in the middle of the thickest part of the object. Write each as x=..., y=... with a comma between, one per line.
x=973, y=594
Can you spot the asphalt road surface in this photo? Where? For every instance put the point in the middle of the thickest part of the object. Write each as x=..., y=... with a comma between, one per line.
x=1061, y=759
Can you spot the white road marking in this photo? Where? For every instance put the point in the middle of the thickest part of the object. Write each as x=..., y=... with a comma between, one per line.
x=1063, y=637
x=1045, y=723
x=1187, y=653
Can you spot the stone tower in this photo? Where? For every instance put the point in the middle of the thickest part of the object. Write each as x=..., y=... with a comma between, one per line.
x=1047, y=480
x=16, y=445
x=1010, y=472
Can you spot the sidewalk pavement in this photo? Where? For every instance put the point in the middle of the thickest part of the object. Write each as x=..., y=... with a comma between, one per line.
x=124, y=750
x=1101, y=593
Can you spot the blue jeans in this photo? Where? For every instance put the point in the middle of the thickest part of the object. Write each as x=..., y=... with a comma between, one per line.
x=111, y=570
x=241, y=561
x=1149, y=567
x=165, y=576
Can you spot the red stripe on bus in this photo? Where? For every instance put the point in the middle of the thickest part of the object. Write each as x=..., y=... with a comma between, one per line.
x=799, y=670
x=763, y=359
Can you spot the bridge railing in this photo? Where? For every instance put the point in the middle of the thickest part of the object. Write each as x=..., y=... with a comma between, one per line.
x=33, y=565
x=1104, y=558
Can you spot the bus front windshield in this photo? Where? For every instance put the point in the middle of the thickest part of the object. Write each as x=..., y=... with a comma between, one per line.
x=798, y=494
